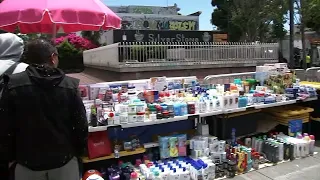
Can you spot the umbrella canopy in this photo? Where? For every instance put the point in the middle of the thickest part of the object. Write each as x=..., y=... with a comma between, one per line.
x=50, y=16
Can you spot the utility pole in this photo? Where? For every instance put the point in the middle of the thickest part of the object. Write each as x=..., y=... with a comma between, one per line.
x=228, y=20
x=302, y=32
x=291, y=45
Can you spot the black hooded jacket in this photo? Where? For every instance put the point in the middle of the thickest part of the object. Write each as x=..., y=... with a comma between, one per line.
x=43, y=120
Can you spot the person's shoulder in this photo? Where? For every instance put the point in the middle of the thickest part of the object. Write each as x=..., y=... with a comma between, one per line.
x=70, y=83
x=18, y=79
x=20, y=68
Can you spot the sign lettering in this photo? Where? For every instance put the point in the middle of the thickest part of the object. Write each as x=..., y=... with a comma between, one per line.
x=182, y=25
x=163, y=36
x=142, y=10
x=177, y=38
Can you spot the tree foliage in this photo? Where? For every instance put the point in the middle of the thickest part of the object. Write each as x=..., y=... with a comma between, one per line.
x=250, y=20
x=312, y=14
x=93, y=36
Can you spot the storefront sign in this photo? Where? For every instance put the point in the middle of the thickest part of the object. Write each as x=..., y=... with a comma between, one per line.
x=159, y=22
x=162, y=36
x=182, y=25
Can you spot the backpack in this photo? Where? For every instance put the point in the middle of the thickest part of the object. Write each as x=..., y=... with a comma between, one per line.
x=9, y=71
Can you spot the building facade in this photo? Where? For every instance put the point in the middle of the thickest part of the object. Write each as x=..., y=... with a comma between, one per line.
x=155, y=18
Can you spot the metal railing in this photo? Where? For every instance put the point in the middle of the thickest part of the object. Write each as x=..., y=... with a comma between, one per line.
x=311, y=74
x=150, y=54
x=227, y=78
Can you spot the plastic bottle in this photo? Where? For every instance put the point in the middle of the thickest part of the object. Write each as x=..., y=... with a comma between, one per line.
x=174, y=175
x=184, y=175
x=225, y=101
x=199, y=173
x=202, y=106
x=177, y=109
x=212, y=170
x=165, y=174
x=205, y=171
x=220, y=102
x=134, y=176
x=184, y=109
x=157, y=176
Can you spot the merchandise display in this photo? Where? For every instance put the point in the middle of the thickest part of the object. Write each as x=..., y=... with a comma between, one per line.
x=198, y=155
x=212, y=158
x=158, y=99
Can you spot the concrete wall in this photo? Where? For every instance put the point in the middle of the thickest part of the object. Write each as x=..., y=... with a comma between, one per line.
x=93, y=75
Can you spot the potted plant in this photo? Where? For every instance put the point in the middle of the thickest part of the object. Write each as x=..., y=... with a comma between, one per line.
x=70, y=48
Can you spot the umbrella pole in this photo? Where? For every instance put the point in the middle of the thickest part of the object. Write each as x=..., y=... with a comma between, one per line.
x=54, y=31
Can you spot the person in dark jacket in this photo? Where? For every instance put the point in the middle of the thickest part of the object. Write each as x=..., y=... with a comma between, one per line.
x=44, y=127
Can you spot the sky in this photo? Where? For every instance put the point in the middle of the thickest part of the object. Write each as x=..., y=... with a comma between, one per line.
x=186, y=6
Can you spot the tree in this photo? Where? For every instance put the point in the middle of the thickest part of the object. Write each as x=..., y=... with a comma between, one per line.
x=312, y=14
x=250, y=20
x=93, y=36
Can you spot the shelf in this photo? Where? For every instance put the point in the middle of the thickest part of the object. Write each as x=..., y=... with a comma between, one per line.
x=158, y=121
x=310, y=99
x=218, y=112
x=122, y=153
x=182, y=118
x=262, y=106
x=229, y=111
x=156, y=144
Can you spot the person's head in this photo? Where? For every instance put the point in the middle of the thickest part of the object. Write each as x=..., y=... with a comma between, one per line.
x=42, y=52
x=11, y=47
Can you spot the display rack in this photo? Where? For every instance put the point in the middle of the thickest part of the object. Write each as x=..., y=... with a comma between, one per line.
x=121, y=154
x=178, y=118
x=201, y=115
x=226, y=113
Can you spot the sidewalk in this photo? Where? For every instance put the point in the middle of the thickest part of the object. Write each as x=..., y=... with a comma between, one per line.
x=306, y=169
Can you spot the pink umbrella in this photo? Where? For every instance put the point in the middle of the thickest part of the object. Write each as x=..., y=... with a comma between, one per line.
x=50, y=16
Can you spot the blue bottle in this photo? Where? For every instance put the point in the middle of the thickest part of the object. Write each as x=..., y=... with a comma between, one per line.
x=177, y=109
x=243, y=101
x=184, y=109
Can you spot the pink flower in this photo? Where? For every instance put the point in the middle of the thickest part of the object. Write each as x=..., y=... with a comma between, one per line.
x=77, y=41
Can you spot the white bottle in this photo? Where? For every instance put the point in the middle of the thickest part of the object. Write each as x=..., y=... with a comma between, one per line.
x=209, y=105
x=184, y=175
x=165, y=174
x=205, y=172
x=202, y=106
x=219, y=102
x=174, y=175
x=198, y=172
x=192, y=172
x=212, y=171
x=235, y=97
x=225, y=101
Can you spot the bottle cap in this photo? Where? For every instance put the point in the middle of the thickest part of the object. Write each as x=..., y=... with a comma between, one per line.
x=311, y=137
x=204, y=165
x=134, y=175
x=156, y=173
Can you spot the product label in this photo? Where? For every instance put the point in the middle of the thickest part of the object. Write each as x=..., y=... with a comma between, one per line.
x=218, y=104
x=231, y=101
x=140, y=108
x=211, y=105
x=123, y=119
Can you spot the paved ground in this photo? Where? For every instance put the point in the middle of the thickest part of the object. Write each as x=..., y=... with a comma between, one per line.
x=301, y=169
